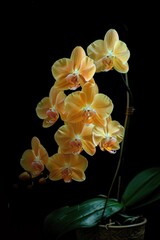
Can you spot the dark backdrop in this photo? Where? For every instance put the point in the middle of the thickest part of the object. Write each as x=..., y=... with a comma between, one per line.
x=36, y=34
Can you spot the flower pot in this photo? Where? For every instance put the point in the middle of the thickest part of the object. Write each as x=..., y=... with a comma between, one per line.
x=111, y=232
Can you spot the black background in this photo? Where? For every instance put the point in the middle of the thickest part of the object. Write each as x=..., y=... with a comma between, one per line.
x=38, y=33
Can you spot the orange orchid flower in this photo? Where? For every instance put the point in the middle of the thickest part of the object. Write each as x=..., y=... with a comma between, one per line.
x=110, y=53
x=67, y=167
x=109, y=136
x=71, y=73
x=50, y=107
x=88, y=105
x=34, y=160
x=74, y=138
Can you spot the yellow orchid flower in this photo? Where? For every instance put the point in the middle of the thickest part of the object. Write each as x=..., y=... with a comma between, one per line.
x=109, y=136
x=71, y=73
x=88, y=105
x=110, y=53
x=34, y=160
x=74, y=138
x=50, y=107
x=67, y=167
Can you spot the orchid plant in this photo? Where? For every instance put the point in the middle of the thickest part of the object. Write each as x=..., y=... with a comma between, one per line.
x=87, y=124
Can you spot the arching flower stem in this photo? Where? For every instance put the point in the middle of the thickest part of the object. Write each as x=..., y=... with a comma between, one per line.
x=129, y=111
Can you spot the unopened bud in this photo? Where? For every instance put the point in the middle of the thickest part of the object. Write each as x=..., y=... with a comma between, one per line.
x=42, y=180
x=25, y=176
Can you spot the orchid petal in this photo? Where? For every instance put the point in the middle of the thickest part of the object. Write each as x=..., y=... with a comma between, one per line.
x=116, y=130
x=27, y=159
x=77, y=55
x=110, y=39
x=119, y=66
x=96, y=50
x=61, y=68
x=103, y=105
x=98, y=134
x=90, y=89
x=42, y=107
x=121, y=51
x=88, y=68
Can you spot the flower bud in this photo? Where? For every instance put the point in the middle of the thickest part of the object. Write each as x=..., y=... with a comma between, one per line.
x=25, y=176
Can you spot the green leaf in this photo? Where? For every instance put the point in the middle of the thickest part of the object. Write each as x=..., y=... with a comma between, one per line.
x=145, y=186
x=150, y=199
x=86, y=214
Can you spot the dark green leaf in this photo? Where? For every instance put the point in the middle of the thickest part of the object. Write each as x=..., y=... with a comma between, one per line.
x=142, y=187
x=86, y=214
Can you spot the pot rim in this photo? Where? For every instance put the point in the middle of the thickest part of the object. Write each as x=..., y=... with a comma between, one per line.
x=109, y=225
